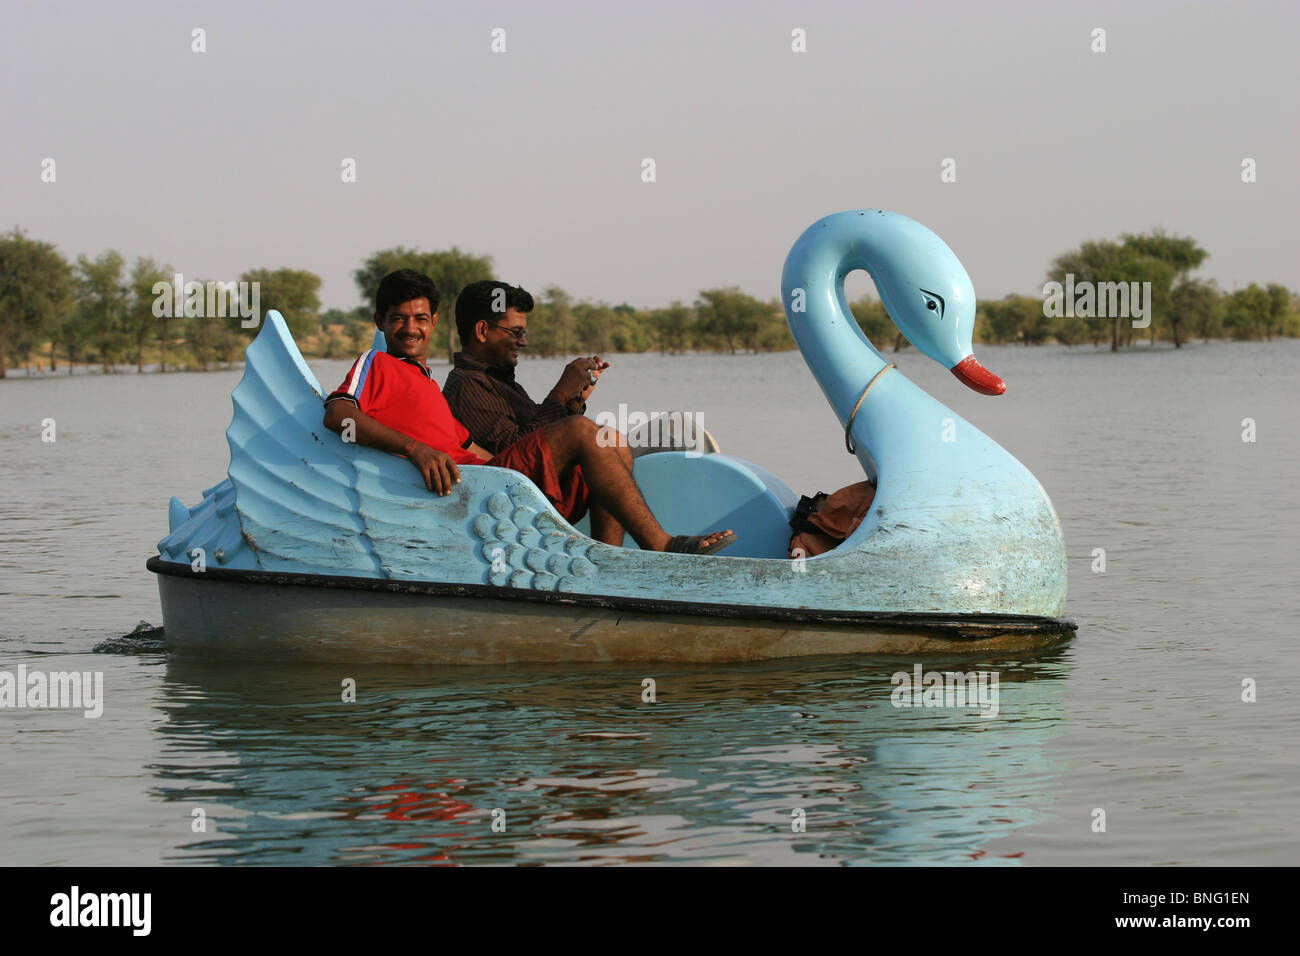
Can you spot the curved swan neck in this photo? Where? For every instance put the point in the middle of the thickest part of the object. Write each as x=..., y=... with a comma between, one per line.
x=840, y=356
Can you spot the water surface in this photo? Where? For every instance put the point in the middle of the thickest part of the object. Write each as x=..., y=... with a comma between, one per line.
x=1140, y=716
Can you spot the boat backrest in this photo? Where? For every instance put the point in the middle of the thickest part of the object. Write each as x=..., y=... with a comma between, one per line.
x=695, y=494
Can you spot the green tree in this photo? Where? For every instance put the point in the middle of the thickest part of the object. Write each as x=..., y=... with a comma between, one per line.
x=560, y=306
x=294, y=293
x=1093, y=261
x=1248, y=312
x=593, y=327
x=451, y=270
x=379, y=264
x=213, y=338
x=1180, y=252
x=551, y=324
x=1195, y=308
x=775, y=335
x=672, y=328
x=141, y=323
x=1035, y=326
x=1279, y=297
x=103, y=298
x=730, y=319
x=1181, y=255
x=629, y=333
x=994, y=324
x=1156, y=257
x=1066, y=331
x=35, y=294
x=1020, y=318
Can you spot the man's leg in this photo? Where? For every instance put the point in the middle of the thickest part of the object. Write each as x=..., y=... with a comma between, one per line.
x=607, y=468
x=604, y=526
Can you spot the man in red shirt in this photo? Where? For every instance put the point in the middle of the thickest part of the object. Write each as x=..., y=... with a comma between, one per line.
x=394, y=405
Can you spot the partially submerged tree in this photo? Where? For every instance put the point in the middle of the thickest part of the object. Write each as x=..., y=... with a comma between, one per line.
x=1155, y=258
x=672, y=327
x=733, y=319
x=1195, y=308
x=1248, y=312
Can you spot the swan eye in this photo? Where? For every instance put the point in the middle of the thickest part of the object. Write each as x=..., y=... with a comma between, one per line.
x=933, y=302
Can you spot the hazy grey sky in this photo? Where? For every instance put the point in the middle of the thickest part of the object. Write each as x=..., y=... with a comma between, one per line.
x=220, y=161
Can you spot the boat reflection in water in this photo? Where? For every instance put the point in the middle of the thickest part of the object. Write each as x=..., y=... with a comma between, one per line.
x=578, y=767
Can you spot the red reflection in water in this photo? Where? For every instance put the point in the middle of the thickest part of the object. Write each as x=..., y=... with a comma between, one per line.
x=409, y=804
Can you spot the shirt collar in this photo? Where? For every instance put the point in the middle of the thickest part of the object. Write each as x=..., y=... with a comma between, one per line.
x=470, y=363
x=410, y=361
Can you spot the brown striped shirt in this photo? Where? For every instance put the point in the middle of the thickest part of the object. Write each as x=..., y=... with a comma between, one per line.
x=493, y=406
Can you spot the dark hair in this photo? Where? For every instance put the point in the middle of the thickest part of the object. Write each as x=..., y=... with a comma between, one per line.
x=403, y=286
x=475, y=303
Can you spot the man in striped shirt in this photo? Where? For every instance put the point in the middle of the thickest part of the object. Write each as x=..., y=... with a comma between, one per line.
x=492, y=322
x=481, y=387
x=390, y=402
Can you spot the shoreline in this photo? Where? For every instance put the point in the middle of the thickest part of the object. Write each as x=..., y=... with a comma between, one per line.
x=85, y=369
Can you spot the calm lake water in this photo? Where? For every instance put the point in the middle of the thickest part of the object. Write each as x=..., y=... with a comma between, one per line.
x=1140, y=716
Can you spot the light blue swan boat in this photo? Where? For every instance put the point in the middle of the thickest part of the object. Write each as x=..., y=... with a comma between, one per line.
x=317, y=549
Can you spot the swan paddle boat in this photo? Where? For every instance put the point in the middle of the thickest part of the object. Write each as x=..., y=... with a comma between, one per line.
x=313, y=548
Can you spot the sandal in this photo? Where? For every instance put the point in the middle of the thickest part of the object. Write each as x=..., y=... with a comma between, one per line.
x=690, y=543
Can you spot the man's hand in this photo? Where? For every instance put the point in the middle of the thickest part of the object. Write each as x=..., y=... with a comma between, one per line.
x=436, y=467
x=579, y=377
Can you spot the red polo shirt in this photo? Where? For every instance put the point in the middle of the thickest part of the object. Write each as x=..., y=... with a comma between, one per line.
x=402, y=394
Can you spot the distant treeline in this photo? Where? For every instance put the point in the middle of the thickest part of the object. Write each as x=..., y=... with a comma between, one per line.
x=1179, y=306
x=103, y=311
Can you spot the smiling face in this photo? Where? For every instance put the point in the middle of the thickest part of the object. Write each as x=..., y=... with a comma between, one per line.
x=407, y=328
x=498, y=343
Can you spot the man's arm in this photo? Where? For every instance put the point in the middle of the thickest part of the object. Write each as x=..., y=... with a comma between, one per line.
x=436, y=467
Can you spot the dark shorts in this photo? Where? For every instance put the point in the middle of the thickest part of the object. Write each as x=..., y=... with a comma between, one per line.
x=531, y=456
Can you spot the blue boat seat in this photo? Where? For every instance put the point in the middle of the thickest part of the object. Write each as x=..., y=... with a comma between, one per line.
x=699, y=494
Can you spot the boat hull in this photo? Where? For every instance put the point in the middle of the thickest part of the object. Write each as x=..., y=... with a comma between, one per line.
x=310, y=617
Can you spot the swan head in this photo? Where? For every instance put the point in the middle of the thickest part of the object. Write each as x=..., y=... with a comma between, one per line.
x=929, y=296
